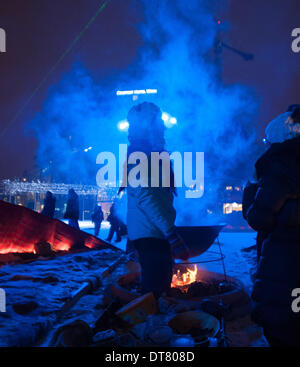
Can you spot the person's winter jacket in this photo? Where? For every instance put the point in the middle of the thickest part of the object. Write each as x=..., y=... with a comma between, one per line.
x=150, y=211
x=248, y=198
x=275, y=213
x=49, y=206
x=97, y=216
x=72, y=210
x=112, y=217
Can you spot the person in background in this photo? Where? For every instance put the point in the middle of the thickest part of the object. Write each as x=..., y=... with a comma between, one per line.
x=273, y=210
x=97, y=218
x=150, y=211
x=72, y=211
x=114, y=225
x=49, y=205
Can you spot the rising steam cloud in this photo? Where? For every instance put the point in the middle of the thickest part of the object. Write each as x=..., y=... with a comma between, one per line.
x=177, y=58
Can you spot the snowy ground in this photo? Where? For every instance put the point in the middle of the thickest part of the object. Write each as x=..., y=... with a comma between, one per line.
x=53, y=281
x=237, y=262
x=44, y=286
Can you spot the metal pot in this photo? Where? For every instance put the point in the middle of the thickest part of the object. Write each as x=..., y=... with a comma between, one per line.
x=199, y=238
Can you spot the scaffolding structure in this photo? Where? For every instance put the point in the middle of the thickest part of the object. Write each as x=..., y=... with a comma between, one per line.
x=13, y=187
x=32, y=194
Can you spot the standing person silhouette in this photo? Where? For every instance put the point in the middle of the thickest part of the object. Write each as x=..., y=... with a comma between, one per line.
x=72, y=211
x=97, y=218
x=150, y=211
x=114, y=225
x=49, y=205
x=272, y=208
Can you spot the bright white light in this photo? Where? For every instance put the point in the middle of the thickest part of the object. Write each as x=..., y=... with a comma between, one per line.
x=151, y=91
x=123, y=125
x=165, y=116
x=139, y=91
x=168, y=120
x=124, y=92
x=136, y=92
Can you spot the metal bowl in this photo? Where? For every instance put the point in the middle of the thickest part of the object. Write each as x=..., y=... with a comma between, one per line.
x=199, y=238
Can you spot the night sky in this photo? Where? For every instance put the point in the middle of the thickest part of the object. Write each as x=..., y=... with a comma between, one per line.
x=39, y=31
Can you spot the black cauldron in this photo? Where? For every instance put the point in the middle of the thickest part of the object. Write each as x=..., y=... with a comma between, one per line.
x=199, y=238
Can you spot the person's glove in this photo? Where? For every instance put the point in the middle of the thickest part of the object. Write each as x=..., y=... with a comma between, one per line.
x=178, y=247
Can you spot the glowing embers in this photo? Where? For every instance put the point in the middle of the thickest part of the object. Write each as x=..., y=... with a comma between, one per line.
x=7, y=247
x=10, y=247
x=183, y=279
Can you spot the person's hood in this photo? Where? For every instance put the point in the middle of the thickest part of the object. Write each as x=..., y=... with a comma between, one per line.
x=282, y=159
x=279, y=129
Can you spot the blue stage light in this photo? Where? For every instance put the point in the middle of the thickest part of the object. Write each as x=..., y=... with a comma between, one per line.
x=123, y=125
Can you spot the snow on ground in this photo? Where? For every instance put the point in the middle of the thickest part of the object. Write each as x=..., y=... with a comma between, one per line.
x=52, y=281
x=237, y=262
x=103, y=233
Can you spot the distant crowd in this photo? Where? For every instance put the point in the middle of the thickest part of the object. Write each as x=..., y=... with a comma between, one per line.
x=72, y=215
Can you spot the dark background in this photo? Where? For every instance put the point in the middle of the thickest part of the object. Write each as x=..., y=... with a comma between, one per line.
x=39, y=31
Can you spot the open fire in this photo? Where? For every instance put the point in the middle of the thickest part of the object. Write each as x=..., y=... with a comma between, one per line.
x=183, y=279
x=194, y=281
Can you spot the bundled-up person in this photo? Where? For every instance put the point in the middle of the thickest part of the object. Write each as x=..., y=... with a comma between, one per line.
x=150, y=211
x=97, y=218
x=49, y=205
x=72, y=211
x=274, y=211
x=114, y=225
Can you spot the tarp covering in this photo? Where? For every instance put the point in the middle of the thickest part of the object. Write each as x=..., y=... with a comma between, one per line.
x=21, y=228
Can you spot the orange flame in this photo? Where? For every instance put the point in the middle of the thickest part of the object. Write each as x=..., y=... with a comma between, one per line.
x=182, y=279
x=29, y=248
